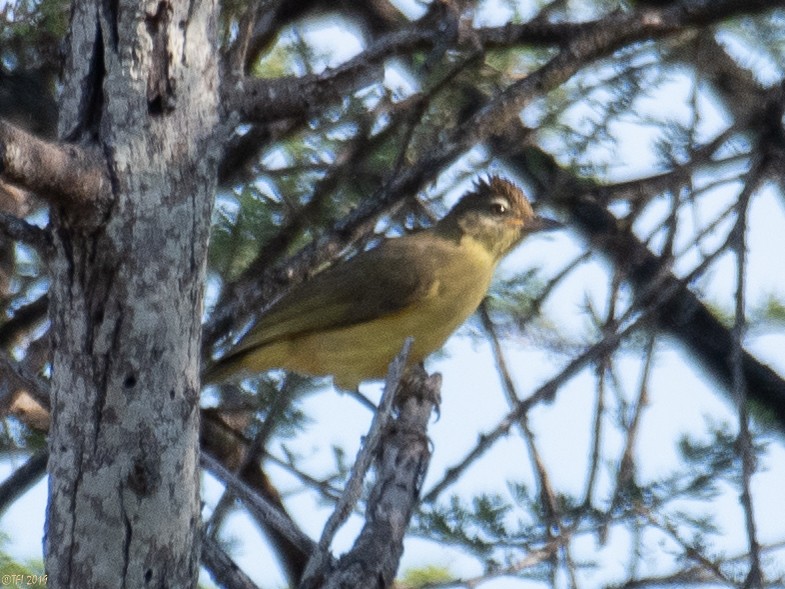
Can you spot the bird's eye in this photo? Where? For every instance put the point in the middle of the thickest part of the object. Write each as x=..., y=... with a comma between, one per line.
x=498, y=208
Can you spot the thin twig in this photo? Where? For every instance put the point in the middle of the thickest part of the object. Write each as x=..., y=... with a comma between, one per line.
x=654, y=294
x=625, y=474
x=707, y=563
x=259, y=506
x=543, y=393
x=401, y=464
x=599, y=412
x=253, y=452
x=744, y=444
x=547, y=494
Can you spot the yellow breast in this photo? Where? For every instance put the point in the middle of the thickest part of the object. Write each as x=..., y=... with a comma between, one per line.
x=363, y=351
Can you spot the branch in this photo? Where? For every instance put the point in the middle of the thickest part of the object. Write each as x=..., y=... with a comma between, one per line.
x=656, y=293
x=367, y=452
x=659, y=19
x=255, y=290
x=23, y=319
x=596, y=40
x=235, y=302
x=400, y=468
x=599, y=39
x=61, y=173
x=22, y=479
x=547, y=494
x=261, y=100
x=227, y=447
x=378, y=17
x=581, y=44
x=260, y=507
x=236, y=58
x=681, y=314
x=223, y=569
x=14, y=373
x=744, y=443
x=240, y=152
x=257, y=29
x=20, y=230
x=544, y=393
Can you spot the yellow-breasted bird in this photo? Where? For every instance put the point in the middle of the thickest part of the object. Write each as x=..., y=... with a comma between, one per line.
x=351, y=319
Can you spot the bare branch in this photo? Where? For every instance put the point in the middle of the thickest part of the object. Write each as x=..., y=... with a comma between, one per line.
x=401, y=465
x=249, y=291
x=260, y=507
x=625, y=474
x=251, y=455
x=259, y=10
x=231, y=449
x=367, y=451
x=738, y=382
x=706, y=564
x=597, y=40
x=22, y=479
x=658, y=291
x=262, y=100
x=63, y=173
x=531, y=559
x=20, y=230
x=546, y=493
x=19, y=375
x=223, y=569
x=683, y=314
x=23, y=319
x=543, y=393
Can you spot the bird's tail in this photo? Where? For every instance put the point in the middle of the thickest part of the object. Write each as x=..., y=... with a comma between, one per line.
x=243, y=363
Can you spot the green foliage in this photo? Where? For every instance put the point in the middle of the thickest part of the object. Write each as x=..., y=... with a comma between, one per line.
x=770, y=311
x=517, y=299
x=477, y=526
x=421, y=577
x=289, y=55
x=34, y=21
x=243, y=223
x=765, y=313
x=716, y=458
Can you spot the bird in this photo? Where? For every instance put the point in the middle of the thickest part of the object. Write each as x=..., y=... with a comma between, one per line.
x=351, y=319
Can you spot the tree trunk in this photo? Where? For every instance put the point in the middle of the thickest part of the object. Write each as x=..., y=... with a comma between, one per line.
x=127, y=288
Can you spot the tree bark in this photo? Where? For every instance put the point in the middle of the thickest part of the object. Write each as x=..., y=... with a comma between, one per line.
x=126, y=297
x=402, y=459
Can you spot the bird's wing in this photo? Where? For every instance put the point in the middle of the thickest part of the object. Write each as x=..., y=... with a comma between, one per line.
x=372, y=284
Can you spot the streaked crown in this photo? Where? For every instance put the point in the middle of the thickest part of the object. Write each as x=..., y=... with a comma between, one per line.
x=495, y=213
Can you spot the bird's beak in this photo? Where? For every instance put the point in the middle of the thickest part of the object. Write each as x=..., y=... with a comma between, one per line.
x=543, y=224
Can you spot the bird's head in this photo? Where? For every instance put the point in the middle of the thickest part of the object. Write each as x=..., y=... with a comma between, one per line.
x=497, y=215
